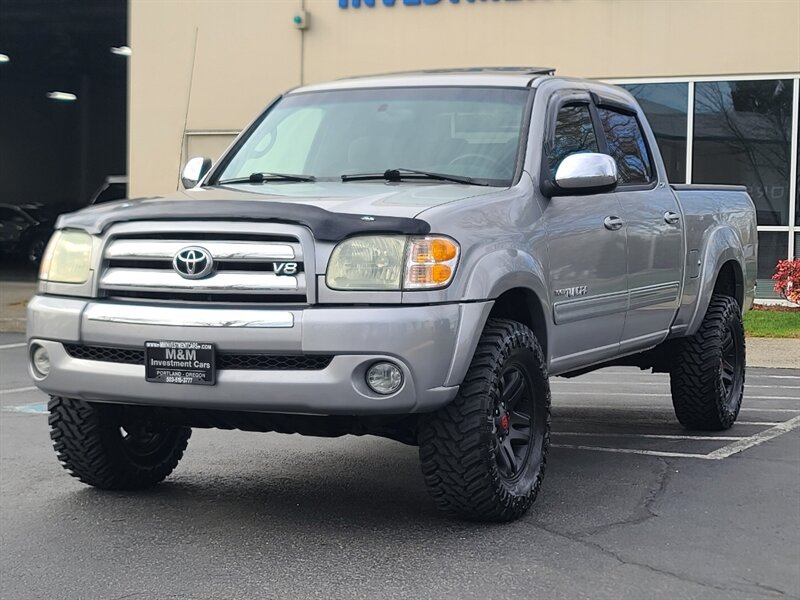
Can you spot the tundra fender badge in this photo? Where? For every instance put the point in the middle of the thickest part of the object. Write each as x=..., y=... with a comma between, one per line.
x=571, y=292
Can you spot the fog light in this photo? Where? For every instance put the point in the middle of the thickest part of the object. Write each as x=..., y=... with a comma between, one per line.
x=41, y=360
x=384, y=378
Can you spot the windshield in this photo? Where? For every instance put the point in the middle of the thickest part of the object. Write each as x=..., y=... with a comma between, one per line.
x=467, y=132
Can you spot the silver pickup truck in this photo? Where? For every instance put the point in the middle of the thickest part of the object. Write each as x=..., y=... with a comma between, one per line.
x=410, y=256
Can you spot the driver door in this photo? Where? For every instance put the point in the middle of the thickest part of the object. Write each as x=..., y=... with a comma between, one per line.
x=587, y=247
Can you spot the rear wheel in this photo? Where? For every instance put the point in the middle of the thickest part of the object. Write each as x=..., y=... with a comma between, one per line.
x=707, y=374
x=483, y=455
x=96, y=445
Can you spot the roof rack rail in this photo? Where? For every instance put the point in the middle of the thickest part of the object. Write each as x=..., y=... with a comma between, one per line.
x=462, y=70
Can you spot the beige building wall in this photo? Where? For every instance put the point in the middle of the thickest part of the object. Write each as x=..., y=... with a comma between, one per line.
x=202, y=69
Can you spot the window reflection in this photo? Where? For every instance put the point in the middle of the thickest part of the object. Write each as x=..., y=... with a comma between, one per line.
x=665, y=105
x=574, y=133
x=741, y=136
x=626, y=145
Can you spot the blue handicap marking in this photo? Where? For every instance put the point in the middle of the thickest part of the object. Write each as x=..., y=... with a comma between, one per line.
x=33, y=409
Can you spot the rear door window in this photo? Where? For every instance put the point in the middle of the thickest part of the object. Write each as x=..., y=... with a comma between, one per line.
x=574, y=133
x=627, y=146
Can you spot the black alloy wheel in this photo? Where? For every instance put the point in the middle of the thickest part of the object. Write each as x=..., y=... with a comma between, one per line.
x=513, y=414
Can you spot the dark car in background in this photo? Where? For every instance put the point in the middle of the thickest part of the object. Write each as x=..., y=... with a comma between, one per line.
x=25, y=229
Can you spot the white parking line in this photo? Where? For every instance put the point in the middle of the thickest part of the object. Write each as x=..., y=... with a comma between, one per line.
x=7, y=346
x=626, y=407
x=755, y=440
x=739, y=445
x=630, y=451
x=558, y=384
x=654, y=436
x=646, y=394
x=19, y=390
x=616, y=375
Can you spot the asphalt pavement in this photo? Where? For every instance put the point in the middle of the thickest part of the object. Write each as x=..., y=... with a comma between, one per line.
x=632, y=506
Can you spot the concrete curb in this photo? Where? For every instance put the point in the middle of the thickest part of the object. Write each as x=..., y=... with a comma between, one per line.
x=12, y=325
x=780, y=353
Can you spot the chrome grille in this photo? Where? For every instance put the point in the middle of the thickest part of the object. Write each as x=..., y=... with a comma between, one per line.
x=245, y=270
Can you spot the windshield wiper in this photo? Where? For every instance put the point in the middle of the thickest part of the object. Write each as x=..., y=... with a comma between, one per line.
x=267, y=177
x=400, y=174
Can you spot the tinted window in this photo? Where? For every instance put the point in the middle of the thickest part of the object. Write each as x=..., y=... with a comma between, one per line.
x=574, y=133
x=626, y=145
x=742, y=136
x=665, y=105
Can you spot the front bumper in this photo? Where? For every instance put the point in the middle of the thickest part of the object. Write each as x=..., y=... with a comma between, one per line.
x=433, y=345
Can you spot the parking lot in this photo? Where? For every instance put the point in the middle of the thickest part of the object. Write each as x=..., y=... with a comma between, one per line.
x=633, y=506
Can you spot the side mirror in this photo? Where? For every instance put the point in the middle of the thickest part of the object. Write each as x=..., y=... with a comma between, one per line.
x=194, y=171
x=585, y=173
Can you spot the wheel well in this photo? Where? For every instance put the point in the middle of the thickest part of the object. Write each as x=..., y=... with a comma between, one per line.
x=730, y=282
x=522, y=305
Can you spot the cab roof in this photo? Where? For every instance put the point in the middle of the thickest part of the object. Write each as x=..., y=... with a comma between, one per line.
x=471, y=76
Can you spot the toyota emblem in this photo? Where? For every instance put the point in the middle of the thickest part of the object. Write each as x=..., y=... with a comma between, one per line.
x=193, y=262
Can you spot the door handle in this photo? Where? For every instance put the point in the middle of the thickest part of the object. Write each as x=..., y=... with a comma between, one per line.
x=671, y=217
x=612, y=223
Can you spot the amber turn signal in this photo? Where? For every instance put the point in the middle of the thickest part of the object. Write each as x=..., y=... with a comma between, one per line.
x=433, y=250
x=431, y=262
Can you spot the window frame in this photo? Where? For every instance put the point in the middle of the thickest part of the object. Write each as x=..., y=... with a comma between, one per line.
x=593, y=100
x=626, y=109
x=214, y=174
x=558, y=100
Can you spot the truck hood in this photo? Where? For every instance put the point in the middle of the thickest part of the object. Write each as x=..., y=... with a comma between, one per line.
x=332, y=210
x=403, y=199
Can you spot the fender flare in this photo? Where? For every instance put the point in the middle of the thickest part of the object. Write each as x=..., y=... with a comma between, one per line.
x=722, y=245
x=506, y=269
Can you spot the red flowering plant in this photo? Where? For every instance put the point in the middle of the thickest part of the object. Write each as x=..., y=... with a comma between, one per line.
x=787, y=279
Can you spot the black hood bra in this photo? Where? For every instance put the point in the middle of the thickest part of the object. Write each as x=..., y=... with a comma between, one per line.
x=324, y=224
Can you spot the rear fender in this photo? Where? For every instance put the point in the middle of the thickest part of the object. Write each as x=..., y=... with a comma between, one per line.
x=722, y=245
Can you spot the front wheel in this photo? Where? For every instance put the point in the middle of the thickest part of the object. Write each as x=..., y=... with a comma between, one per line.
x=707, y=373
x=483, y=455
x=104, y=450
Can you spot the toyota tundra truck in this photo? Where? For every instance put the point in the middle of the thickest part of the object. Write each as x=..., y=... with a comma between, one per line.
x=410, y=256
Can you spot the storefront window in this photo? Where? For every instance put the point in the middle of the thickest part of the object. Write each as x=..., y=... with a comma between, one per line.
x=797, y=172
x=742, y=136
x=772, y=247
x=665, y=105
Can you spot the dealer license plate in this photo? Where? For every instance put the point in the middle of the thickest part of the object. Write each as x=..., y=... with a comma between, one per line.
x=179, y=362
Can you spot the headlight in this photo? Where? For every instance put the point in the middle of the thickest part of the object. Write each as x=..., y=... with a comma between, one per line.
x=382, y=262
x=67, y=258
